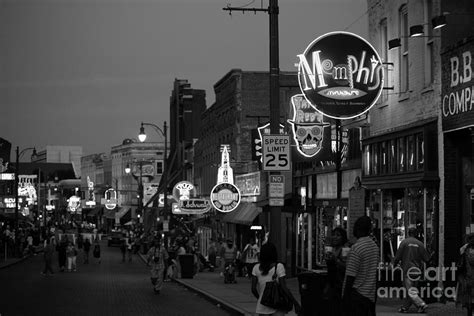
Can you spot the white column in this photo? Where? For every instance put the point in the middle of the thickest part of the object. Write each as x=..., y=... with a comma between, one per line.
x=310, y=241
x=381, y=224
x=441, y=191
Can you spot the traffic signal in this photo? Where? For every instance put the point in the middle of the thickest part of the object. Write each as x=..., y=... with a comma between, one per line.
x=256, y=145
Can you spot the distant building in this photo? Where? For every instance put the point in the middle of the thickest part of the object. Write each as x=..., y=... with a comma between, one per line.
x=186, y=107
x=61, y=154
x=242, y=104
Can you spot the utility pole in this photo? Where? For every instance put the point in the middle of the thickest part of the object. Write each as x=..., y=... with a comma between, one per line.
x=273, y=11
x=17, y=172
x=165, y=173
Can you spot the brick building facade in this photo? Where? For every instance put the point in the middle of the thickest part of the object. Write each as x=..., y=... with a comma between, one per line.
x=242, y=103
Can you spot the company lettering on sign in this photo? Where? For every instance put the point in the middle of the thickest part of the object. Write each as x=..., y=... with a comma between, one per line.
x=457, y=103
x=341, y=75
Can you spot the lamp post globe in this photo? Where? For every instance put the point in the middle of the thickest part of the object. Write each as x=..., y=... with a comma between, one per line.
x=142, y=135
x=127, y=169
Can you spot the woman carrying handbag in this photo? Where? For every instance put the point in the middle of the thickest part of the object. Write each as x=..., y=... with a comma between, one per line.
x=270, y=271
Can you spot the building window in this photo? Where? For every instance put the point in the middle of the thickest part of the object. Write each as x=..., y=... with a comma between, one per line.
x=374, y=159
x=401, y=163
x=392, y=156
x=420, y=151
x=429, y=53
x=411, y=163
x=159, y=167
x=366, y=160
x=384, y=56
x=403, y=31
x=383, y=158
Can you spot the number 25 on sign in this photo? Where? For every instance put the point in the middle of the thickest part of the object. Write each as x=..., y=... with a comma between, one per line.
x=276, y=152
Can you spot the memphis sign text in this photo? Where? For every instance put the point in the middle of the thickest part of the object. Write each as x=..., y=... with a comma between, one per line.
x=341, y=75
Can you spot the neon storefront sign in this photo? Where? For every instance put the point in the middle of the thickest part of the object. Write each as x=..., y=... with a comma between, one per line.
x=307, y=127
x=340, y=74
x=110, y=199
x=74, y=203
x=183, y=193
x=225, y=196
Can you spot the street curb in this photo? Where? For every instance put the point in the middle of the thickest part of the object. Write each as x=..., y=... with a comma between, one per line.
x=2, y=266
x=216, y=300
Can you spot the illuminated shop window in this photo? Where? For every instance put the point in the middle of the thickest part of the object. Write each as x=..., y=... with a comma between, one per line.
x=392, y=153
x=420, y=151
x=383, y=158
x=401, y=163
x=411, y=153
x=366, y=160
x=374, y=165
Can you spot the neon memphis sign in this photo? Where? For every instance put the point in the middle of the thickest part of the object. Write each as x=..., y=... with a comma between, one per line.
x=340, y=75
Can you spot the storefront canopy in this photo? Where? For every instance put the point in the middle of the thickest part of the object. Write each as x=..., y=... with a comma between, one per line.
x=126, y=217
x=244, y=214
x=110, y=214
x=93, y=212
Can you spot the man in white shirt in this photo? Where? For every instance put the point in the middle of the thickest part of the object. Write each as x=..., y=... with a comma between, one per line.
x=250, y=255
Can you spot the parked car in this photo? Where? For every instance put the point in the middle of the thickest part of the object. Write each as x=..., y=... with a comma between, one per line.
x=115, y=238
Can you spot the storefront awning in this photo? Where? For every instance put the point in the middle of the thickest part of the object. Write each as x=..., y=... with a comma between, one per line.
x=110, y=214
x=94, y=211
x=413, y=180
x=244, y=214
x=126, y=217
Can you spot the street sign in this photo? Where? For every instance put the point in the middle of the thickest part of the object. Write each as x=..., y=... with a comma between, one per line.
x=276, y=153
x=7, y=176
x=277, y=202
x=276, y=188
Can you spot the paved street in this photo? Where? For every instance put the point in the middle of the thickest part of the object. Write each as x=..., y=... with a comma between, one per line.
x=109, y=288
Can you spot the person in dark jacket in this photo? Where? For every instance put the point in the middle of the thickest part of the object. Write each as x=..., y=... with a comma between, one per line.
x=96, y=251
x=87, y=247
x=48, y=258
x=61, y=248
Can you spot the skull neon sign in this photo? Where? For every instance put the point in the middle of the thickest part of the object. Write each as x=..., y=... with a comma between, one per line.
x=308, y=126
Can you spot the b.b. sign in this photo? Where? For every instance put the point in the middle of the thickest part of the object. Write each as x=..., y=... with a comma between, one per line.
x=276, y=152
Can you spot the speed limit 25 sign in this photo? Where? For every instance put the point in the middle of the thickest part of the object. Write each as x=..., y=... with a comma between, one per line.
x=276, y=152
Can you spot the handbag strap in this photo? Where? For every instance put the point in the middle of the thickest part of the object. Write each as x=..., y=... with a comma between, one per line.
x=275, y=272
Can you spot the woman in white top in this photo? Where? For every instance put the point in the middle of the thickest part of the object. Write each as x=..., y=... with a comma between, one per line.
x=263, y=272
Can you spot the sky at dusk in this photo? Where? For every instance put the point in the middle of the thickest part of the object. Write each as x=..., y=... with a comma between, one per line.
x=87, y=72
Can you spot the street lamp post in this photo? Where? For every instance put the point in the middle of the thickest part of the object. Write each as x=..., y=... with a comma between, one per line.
x=16, y=182
x=140, y=184
x=163, y=132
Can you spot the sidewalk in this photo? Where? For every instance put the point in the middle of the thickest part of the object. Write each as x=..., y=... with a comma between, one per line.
x=239, y=298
